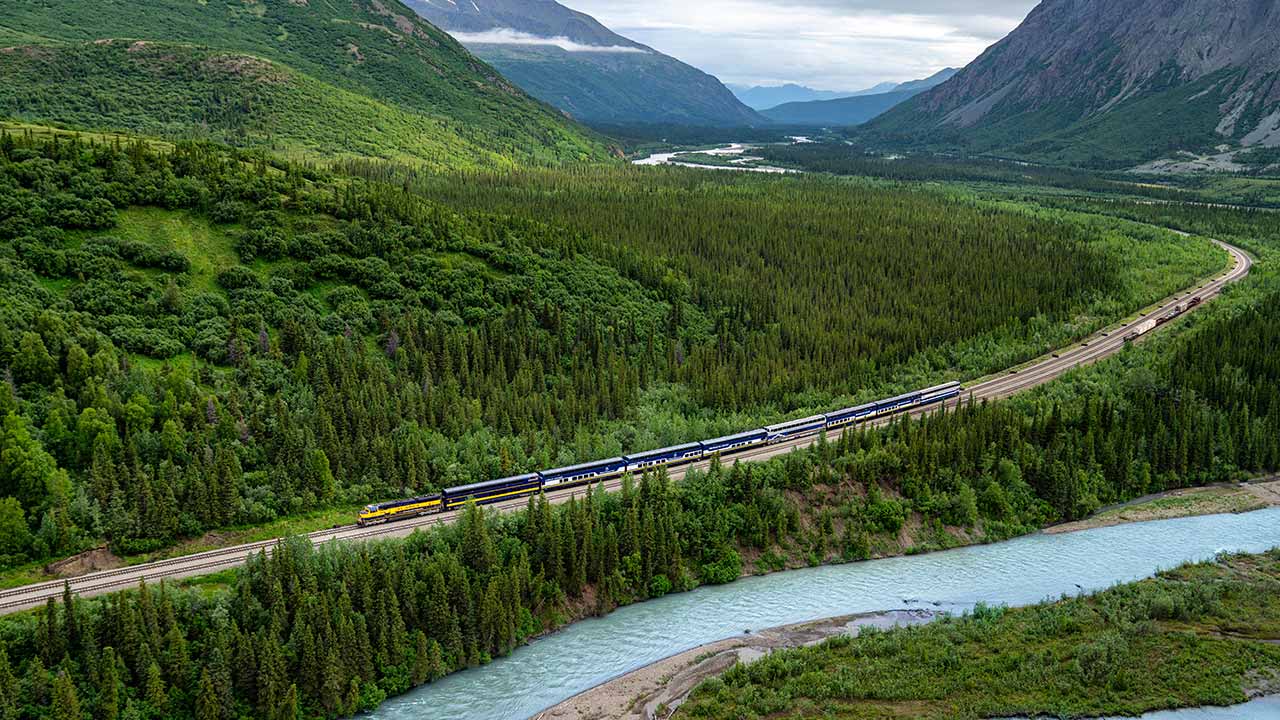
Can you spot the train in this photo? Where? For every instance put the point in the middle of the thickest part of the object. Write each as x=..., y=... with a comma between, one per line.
x=1150, y=324
x=493, y=491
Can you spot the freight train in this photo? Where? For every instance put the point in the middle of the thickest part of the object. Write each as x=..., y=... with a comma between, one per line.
x=493, y=491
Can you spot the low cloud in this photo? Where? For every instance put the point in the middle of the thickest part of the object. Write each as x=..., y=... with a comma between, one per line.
x=827, y=44
x=507, y=36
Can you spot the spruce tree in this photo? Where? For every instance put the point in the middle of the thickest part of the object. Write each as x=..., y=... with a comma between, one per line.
x=66, y=702
x=108, y=707
x=207, y=706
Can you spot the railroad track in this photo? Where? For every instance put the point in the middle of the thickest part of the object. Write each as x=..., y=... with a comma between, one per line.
x=1091, y=350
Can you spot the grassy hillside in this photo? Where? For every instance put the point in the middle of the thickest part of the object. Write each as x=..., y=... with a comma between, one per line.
x=334, y=68
x=168, y=90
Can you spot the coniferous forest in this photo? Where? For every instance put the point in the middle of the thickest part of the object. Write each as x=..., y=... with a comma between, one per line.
x=324, y=633
x=264, y=263
x=288, y=340
x=199, y=338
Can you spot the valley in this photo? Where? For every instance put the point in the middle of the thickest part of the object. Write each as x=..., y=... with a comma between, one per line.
x=430, y=359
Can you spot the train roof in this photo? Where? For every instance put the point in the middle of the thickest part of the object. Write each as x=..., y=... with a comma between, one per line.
x=402, y=503
x=940, y=388
x=664, y=451
x=740, y=436
x=584, y=466
x=795, y=423
x=473, y=487
x=855, y=409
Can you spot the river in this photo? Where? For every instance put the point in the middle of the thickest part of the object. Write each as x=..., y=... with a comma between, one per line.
x=1017, y=572
x=673, y=158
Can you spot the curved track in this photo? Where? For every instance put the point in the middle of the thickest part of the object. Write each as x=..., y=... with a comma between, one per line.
x=1095, y=348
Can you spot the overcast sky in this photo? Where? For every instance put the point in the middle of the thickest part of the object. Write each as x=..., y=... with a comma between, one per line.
x=825, y=44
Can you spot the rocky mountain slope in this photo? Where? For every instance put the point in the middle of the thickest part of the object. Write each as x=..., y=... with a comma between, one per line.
x=362, y=77
x=1109, y=84
x=573, y=62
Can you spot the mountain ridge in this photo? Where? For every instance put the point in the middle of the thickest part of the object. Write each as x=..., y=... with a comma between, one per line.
x=378, y=50
x=855, y=109
x=764, y=97
x=1107, y=84
x=573, y=62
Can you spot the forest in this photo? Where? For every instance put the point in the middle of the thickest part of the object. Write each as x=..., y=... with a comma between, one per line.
x=824, y=314
x=199, y=338
x=844, y=159
x=297, y=339
x=324, y=632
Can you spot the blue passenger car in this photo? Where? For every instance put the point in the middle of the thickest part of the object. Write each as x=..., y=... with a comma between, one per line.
x=796, y=428
x=850, y=415
x=941, y=393
x=895, y=404
x=587, y=472
x=492, y=491
x=679, y=455
x=731, y=444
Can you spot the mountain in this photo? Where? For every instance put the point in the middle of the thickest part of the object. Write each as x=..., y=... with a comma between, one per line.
x=363, y=77
x=763, y=97
x=570, y=60
x=854, y=110
x=928, y=83
x=844, y=112
x=1109, y=84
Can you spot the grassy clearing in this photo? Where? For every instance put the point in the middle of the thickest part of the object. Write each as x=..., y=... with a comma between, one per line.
x=44, y=131
x=209, y=247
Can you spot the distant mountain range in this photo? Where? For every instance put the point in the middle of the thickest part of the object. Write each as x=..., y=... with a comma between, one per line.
x=855, y=109
x=763, y=97
x=358, y=77
x=1109, y=84
x=570, y=60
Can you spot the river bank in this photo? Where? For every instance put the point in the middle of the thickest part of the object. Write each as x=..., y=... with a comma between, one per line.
x=1212, y=500
x=656, y=690
x=653, y=690
x=1201, y=635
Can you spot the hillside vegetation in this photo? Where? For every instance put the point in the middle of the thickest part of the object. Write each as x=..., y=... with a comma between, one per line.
x=831, y=285
x=324, y=78
x=199, y=339
x=327, y=632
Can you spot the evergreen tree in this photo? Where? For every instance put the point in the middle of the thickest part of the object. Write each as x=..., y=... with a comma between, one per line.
x=66, y=703
x=108, y=705
x=208, y=706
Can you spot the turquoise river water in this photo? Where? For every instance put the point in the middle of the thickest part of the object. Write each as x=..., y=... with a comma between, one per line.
x=1017, y=572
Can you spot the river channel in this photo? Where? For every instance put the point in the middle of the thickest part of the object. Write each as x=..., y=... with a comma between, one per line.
x=1017, y=572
